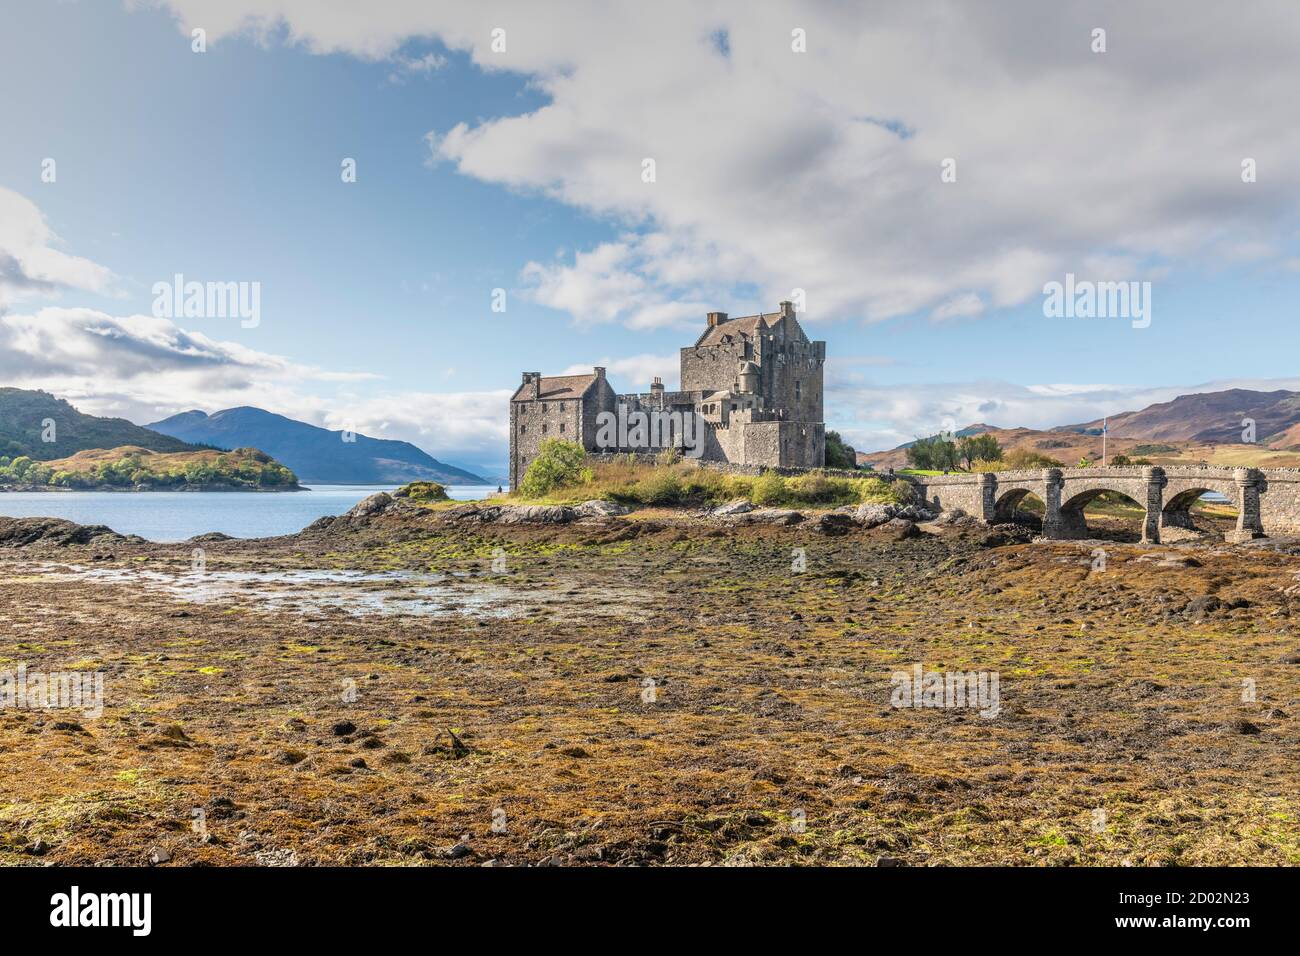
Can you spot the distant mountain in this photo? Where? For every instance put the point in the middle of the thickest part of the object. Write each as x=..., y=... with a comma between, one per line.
x=1204, y=427
x=25, y=418
x=1208, y=417
x=315, y=454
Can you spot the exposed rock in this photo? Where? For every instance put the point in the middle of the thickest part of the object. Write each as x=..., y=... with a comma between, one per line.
x=1203, y=605
x=900, y=529
x=376, y=504
x=913, y=513
x=28, y=532
x=536, y=514
x=956, y=518
x=869, y=516
x=600, y=509
x=458, y=851
x=775, y=516
x=739, y=506
x=833, y=524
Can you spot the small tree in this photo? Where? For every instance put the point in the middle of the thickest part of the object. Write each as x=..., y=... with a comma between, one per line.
x=979, y=447
x=559, y=463
x=838, y=454
x=935, y=453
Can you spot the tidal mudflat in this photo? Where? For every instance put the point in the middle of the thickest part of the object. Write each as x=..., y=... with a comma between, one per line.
x=660, y=688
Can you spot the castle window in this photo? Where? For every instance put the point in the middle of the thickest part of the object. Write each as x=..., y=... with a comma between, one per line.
x=544, y=429
x=522, y=429
x=796, y=390
x=561, y=426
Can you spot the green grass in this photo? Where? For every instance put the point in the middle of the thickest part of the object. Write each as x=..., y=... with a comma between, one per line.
x=686, y=484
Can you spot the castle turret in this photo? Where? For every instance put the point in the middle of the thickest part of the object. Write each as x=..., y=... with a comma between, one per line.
x=748, y=377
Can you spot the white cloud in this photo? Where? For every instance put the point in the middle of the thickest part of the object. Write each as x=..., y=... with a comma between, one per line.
x=30, y=262
x=875, y=418
x=145, y=369
x=404, y=67
x=635, y=372
x=820, y=170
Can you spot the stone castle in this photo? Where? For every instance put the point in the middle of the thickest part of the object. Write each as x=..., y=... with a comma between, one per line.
x=751, y=394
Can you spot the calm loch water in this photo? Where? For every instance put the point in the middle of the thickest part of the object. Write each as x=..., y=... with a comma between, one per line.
x=177, y=515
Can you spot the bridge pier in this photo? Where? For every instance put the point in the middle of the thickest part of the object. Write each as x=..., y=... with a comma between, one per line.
x=1055, y=525
x=1250, y=524
x=1155, y=503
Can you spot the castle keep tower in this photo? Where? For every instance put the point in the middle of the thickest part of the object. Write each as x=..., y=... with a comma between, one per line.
x=753, y=382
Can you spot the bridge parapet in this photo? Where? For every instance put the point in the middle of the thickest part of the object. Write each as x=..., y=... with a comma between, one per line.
x=1267, y=500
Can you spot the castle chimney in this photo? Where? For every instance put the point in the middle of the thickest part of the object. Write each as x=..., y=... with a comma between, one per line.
x=787, y=309
x=657, y=386
x=717, y=318
x=600, y=372
x=533, y=379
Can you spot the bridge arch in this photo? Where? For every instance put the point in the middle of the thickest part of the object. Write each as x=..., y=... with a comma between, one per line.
x=1183, y=491
x=1073, y=521
x=1010, y=499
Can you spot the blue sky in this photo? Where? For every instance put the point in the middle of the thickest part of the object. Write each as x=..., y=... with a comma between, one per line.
x=521, y=170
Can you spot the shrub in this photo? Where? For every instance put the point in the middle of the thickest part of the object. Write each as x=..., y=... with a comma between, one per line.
x=560, y=463
x=769, y=489
x=658, y=488
x=425, y=491
x=813, y=488
x=877, y=491
x=704, y=484
x=736, y=486
x=1021, y=459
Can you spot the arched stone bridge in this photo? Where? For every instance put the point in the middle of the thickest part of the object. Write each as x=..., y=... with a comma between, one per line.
x=1267, y=501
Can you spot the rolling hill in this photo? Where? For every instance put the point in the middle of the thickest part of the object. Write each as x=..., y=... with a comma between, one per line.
x=1203, y=427
x=314, y=454
x=24, y=416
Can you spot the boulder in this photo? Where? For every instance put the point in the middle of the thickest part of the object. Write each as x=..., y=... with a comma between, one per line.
x=376, y=504
x=600, y=509
x=774, y=516
x=900, y=529
x=869, y=516
x=535, y=514
x=739, y=506
x=913, y=513
x=833, y=524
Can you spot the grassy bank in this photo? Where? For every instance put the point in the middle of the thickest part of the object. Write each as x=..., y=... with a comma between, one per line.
x=563, y=476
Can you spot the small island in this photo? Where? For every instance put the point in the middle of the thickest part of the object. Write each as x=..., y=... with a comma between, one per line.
x=133, y=468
